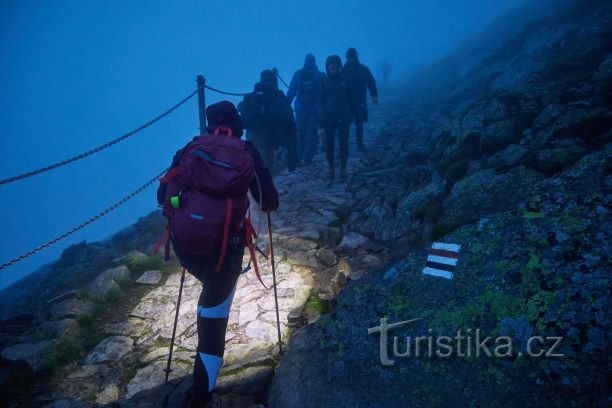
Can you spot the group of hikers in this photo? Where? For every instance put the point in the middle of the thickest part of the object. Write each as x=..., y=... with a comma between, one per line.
x=204, y=193
x=325, y=106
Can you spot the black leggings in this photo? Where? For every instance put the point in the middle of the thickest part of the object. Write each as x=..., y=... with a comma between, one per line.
x=342, y=128
x=213, y=312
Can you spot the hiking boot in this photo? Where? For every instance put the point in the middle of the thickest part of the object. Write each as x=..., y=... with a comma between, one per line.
x=343, y=175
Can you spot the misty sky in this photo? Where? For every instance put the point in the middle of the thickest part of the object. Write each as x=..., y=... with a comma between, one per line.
x=75, y=74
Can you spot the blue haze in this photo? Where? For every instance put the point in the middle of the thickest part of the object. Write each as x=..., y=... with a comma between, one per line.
x=75, y=74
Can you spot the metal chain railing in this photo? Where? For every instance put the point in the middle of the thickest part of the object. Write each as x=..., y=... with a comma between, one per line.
x=225, y=93
x=83, y=225
x=99, y=148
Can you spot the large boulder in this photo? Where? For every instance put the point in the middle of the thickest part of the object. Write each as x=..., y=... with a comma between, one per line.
x=486, y=192
x=38, y=354
x=108, y=282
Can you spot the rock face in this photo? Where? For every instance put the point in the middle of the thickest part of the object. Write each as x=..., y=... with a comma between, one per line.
x=107, y=283
x=517, y=173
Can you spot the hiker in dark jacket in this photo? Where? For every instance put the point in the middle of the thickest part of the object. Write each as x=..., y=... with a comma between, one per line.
x=219, y=286
x=359, y=78
x=335, y=114
x=305, y=87
x=268, y=119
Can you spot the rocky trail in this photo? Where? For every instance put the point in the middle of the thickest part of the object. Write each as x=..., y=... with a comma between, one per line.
x=315, y=258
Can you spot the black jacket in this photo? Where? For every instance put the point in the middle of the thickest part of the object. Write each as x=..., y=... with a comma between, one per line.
x=359, y=78
x=335, y=103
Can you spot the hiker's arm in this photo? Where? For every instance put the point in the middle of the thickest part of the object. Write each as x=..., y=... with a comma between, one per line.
x=371, y=83
x=268, y=191
x=293, y=86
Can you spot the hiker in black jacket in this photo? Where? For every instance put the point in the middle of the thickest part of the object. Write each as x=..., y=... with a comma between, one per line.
x=219, y=284
x=268, y=119
x=359, y=78
x=335, y=114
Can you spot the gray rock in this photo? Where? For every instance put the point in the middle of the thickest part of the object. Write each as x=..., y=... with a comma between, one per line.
x=37, y=355
x=512, y=156
x=52, y=329
x=108, y=395
x=71, y=308
x=156, y=354
x=150, y=278
x=110, y=349
x=107, y=283
x=132, y=257
x=240, y=355
x=89, y=370
x=153, y=376
x=262, y=331
x=352, y=240
x=252, y=380
x=338, y=281
x=327, y=257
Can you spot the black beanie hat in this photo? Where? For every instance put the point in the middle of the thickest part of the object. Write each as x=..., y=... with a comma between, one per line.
x=351, y=53
x=224, y=113
x=333, y=59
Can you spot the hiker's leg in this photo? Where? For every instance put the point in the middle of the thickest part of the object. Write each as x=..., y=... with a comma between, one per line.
x=310, y=137
x=359, y=133
x=213, y=313
x=330, y=135
x=301, y=121
x=343, y=141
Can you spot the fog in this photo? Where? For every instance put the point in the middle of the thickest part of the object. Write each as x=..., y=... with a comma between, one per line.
x=76, y=74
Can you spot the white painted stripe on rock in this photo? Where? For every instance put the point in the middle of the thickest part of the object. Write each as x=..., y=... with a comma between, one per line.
x=438, y=272
x=442, y=260
x=446, y=247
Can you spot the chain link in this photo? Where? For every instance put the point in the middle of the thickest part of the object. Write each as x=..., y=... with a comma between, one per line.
x=83, y=225
x=99, y=148
x=225, y=93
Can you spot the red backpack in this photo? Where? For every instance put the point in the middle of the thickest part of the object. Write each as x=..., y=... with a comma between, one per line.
x=205, y=198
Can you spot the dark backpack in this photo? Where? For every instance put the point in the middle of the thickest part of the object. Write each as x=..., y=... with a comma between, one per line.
x=204, y=196
x=265, y=110
x=308, y=92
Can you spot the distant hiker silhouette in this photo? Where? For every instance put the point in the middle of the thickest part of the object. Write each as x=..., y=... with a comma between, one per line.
x=359, y=77
x=204, y=197
x=305, y=87
x=335, y=114
x=268, y=119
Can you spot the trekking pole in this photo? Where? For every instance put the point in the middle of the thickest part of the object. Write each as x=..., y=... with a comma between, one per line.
x=178, y=305
x=280, y=343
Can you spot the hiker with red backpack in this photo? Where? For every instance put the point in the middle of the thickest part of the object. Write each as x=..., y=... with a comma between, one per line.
x=204, y=197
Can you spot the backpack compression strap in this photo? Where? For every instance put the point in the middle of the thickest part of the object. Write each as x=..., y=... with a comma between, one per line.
x=226, y=227
x=250, y=234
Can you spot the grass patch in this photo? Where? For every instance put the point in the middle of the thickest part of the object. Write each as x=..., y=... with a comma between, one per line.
x=317, y=304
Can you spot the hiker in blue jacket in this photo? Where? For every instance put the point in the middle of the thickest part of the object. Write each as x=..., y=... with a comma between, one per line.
x=219, y=285
x=305, y=87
